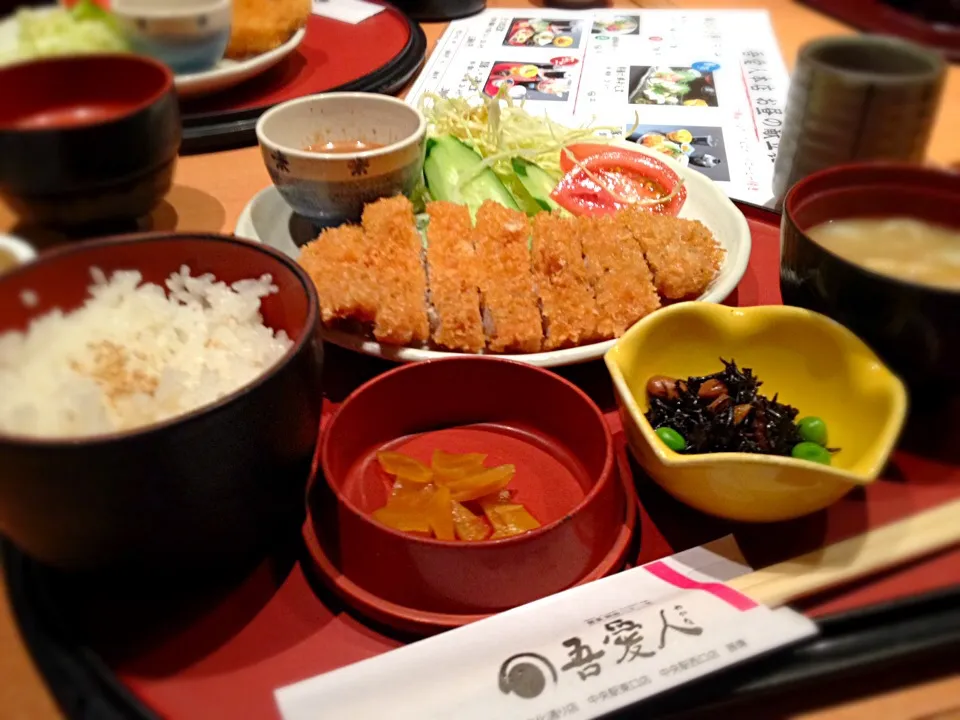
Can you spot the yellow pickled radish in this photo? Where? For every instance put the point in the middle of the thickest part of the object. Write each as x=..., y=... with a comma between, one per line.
x=468, y=526
x=448, y=466
x=441, y=515
x=404, y=466
x=485, y=483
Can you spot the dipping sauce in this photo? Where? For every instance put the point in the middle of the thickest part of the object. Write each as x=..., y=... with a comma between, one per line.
x=342, y=146
x=900, y=247
x=7, y=260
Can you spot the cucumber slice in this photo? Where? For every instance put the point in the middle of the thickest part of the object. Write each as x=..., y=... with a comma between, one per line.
x=449, y=162
x=537, y=182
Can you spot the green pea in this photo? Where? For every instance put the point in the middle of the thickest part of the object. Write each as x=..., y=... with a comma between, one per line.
x=672, y=439
x=813, y=429
x=812, y=452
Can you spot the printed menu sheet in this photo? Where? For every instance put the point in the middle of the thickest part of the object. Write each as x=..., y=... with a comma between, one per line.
x=705, y=87
x=581, y=653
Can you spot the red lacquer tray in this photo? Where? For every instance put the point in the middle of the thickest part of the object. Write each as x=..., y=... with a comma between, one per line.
x=224, y=656
x=380, y=54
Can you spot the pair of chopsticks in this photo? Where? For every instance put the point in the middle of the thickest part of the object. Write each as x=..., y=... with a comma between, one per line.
x=876, y=550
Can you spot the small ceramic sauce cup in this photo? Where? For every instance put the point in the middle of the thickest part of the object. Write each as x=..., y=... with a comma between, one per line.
x=331, y=188
x=189, y=36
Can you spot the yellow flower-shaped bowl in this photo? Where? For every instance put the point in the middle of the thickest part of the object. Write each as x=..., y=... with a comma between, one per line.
x=812, y=362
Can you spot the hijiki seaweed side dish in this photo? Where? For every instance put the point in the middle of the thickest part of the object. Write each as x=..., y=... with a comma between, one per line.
x=724, y=412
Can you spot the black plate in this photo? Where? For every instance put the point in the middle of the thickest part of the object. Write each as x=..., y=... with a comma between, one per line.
x=900, y=638
x=211, y=132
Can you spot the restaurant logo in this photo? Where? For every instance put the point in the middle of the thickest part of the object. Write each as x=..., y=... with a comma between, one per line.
x=523, y=675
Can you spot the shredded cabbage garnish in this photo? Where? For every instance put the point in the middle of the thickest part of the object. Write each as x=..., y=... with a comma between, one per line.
x=47, y=33
x=501, y=129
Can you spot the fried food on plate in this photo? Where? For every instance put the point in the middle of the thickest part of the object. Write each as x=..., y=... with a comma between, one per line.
x=620, y=276
x=682, y=254
x=511, y=318
x=395, y=250
x=452, y=270
x=504, y=284
x=338, y=262
x=567, y=303
x=263, y=25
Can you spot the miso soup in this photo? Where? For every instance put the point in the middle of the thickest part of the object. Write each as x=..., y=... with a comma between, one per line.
x=901, y=247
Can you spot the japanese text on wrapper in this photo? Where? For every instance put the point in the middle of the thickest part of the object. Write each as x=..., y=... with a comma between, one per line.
x=612, y=639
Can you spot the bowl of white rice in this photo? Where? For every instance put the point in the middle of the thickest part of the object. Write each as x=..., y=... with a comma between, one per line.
x=159, y=402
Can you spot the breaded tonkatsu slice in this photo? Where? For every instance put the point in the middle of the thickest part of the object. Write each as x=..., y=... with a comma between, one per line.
x=683, y=254
x=566, y=296
x=396, y=250
x=511, y=317
x=338, y=262
x=621, y=279
x=452, y=273
x=262, y=25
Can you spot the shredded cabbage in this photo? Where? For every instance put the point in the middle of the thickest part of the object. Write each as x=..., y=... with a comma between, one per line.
x=500, y=129
x=46, y=33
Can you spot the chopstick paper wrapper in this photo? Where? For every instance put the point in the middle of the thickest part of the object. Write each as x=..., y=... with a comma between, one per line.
x=580, y=653
x=592, y=649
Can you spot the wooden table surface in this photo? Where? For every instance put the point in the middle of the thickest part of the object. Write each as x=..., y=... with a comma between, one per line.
x=211, y=190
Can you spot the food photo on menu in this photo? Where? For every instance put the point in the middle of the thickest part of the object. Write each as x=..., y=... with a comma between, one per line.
x=544, y=32
x=616, y=25
x=702, y=148
x=671, y=86
x=550, y=81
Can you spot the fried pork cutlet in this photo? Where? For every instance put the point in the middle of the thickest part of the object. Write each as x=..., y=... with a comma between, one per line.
x=396, y=250
x=566, y=296
x=683, y=254
x=452, y=270
x=263, y=25
x=338, y=262
x=511, y=317
x=621, y=279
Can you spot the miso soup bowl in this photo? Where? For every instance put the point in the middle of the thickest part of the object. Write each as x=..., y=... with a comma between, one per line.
x=332, y=188
x=913, y=327
x=810, y=361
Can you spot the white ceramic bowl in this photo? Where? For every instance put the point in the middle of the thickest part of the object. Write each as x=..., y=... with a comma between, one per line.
x=332, y=188
x=21, y=251
x=187, y=35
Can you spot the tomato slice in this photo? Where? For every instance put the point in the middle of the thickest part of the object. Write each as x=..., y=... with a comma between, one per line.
x=630, y=176
x=581, y=151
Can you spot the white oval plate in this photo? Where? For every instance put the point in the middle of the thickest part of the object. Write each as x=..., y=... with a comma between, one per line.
x=268, y=219
x=227, y=73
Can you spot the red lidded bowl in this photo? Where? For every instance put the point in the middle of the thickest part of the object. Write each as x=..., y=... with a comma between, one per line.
x=566, y=476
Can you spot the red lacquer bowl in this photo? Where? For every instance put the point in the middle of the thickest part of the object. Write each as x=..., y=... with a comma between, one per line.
x=566, y=476
x=87, y=140
x=203, y=492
